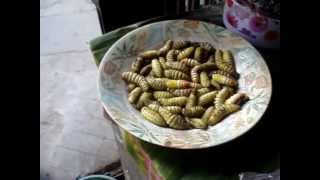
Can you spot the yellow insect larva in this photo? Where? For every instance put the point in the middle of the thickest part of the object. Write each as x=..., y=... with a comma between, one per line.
x=224, y=73
x=174, y=109
x=194, y=111
x=204, y=79
x=172, y=55
x=198, y=54
x=131, y=86
x=154, y=105
x=177, y=66
x=174, y=101
x=221, y=112
x=237, y=98
x=175, y=74
x=175, y=121
x=231, y=108
x=207, y=66
x=151, y=73
x=154, y=102
x=190, y=62
x=166, y=47
x=180, y=44
x=180, y=92
x=221, y=64
x=204, y=66
x=226, y=67
x=215, y=84
x=137, y=64
x=137, y=79
x=196, y=85
x=202, y=91
x=149, y=54
x=162, y=61
x=147, y=98
x=187, y=52
x=194, y=74
x=207, y=98
x=222, y=95
x=146, y=70
x=157, y=83
x=218, y=56
x=207, y=46
x=217, y=115
x=156, y=68
x=206, y=115
x=144, y=99
x=177, y=84
x=192, y=100
x=153, y=117
x=221, y=79
x=227, y=57
x=197, y=123
x=134, y=95
x=181, y=84
x=162, y=94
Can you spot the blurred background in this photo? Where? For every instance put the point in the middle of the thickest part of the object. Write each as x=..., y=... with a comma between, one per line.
x=74, y=137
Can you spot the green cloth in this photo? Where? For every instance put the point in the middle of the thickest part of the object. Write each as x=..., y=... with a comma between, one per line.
x=224, y=162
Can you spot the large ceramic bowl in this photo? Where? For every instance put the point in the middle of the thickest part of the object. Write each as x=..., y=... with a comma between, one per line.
x=254, y=80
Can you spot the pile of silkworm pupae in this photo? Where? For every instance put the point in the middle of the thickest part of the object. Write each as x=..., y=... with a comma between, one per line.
x=184, y=85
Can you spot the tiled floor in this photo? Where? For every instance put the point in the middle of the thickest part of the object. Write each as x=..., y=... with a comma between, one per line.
x=74, y=137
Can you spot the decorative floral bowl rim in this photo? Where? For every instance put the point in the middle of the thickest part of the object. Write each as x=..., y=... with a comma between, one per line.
x=249, y=62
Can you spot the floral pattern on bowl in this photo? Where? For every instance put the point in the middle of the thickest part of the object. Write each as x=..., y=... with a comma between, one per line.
x=255, y=80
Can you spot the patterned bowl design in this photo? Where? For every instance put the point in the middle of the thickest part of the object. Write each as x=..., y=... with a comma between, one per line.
x=254, y=80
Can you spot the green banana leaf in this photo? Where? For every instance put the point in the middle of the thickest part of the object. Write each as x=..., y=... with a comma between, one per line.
x=100, y=45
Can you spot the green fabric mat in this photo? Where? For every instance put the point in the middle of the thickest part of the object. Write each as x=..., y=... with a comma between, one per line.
x=224, y=162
